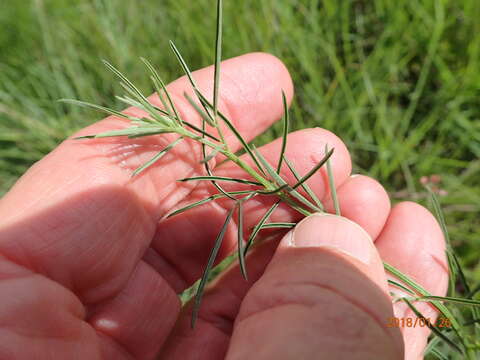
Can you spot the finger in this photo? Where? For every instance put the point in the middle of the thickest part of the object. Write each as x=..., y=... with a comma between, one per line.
x=323, y=293
x=140, y=317
x=186, y=236
x=219, y=307
x=412, y=241
x=34, y=328
x=364, y=201
x=79, y=218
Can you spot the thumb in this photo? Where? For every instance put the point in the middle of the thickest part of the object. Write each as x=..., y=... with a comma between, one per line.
x=323, y=296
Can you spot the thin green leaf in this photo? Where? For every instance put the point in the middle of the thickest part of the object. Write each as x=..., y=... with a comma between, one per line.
x=331, y=184
x=286, y=126
x=474, y=291
x=314, y=169
x=157, y=157
x=205, y=119
x=420, y=290
x=199, y=130
x=241, y=254
x=187, y=71
x=274, y=191
x=143, y=103
x=220, y=178
x=304, y=185
x=203, y=133
x=212, y=154
x=132, y=102
x=120, y=76
x=438, y=354
x=133, y=90
x=206, y=200
x=159, y=81
x=449, y=299
x=130, y=132
x=233, y=129
x=158, y=90
x=145, y=122
x=454, y=265
x=284, y=225
x=401, y=286
x=430, y=348
x=433, y=328
x=183, y=64
x=198, y=109
x=98, y=107
x=453, y=262
x=208, y=268
x=257, y=227
x=471, y=322
x=218, y=58
x=275, y=177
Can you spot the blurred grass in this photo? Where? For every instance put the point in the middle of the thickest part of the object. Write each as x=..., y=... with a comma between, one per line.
x=398, y=81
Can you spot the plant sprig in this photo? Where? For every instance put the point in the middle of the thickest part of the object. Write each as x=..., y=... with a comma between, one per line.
x=262, y=178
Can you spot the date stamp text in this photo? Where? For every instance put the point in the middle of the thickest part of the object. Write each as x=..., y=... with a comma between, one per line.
x=413, y=322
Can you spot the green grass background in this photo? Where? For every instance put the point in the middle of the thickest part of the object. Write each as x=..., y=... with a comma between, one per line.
x=399, y=81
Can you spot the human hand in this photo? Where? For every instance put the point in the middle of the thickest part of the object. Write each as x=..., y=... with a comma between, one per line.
x=90, y=268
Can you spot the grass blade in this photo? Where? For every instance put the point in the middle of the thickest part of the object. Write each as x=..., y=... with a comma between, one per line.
x=331, y=184
x=220, y=178
x=453, y=262
x=433, y=328
x=438, y=354
x=420, y=290
x=208, y=268
x=156, y=157
x=241, y=254
x=286, y=126
x=454, y=265
x=472, y=293
x=431, y=346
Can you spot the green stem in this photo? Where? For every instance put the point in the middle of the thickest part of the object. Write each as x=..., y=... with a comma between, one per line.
x=269, y=186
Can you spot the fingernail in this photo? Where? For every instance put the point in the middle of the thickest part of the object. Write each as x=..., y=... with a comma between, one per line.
x=334, y=232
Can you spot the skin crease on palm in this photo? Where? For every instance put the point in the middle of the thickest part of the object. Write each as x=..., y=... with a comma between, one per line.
x=90, y=267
